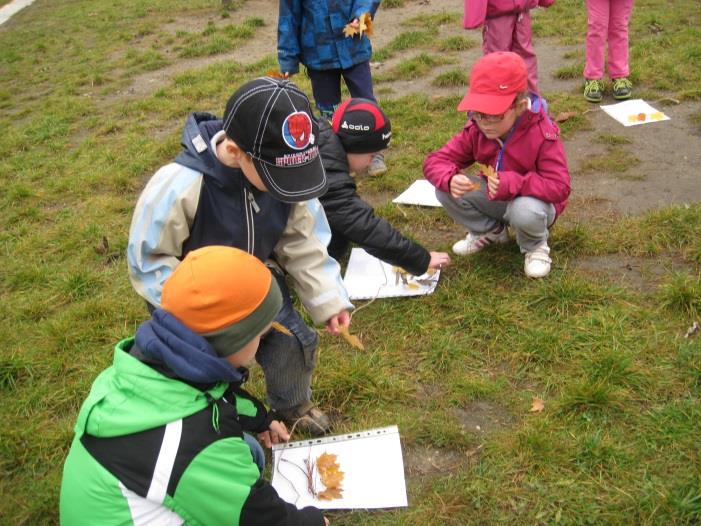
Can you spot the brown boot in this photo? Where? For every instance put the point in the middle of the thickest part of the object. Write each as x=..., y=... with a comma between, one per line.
x=306, y=417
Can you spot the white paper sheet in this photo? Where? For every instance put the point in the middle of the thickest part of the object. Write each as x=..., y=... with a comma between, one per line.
x=370, y=460
x=420, y=193
x=634, y=112
x=368, y=277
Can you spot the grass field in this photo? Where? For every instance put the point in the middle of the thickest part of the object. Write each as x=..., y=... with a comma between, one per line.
x=619, y=440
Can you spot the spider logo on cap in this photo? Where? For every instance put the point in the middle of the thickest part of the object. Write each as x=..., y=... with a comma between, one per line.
x=297, y=130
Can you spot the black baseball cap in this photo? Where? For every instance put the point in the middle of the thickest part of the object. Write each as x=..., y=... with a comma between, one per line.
x=362, y=126
x=272, y=121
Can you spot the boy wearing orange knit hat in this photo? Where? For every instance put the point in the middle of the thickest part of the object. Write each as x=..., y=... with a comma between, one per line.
x=162, y=437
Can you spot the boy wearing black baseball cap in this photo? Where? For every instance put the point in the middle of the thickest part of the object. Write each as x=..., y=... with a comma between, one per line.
x=360, y=130
x=251, y=181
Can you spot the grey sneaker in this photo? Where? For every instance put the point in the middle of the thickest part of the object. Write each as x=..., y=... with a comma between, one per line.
x=593, y=90
x=307, y=417
x=377, y=165
x=622, y=88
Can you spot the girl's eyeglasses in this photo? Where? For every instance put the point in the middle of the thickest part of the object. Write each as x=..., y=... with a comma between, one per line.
x=490, y=118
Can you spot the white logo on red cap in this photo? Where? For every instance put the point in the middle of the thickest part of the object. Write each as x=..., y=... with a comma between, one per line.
x=297, y=130
x=503, y=86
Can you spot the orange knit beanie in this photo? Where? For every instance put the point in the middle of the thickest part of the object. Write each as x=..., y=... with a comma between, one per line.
x=218, y=288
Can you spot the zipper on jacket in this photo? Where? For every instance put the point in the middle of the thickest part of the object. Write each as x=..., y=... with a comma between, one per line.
x=250, y=206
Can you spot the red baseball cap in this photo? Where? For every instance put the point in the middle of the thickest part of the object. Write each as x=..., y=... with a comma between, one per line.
x=495, y=80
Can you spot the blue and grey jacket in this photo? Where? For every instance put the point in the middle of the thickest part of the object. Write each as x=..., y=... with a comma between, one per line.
x=311, y=32
x=197, y=201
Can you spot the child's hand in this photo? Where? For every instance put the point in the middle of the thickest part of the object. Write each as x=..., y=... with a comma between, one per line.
x=276, y=433
x=493, y=185
x=355, y=23
x=439, y=260
x=460, y=184
x=342, y=319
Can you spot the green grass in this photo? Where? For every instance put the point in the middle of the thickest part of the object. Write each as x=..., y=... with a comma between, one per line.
x=618, y=441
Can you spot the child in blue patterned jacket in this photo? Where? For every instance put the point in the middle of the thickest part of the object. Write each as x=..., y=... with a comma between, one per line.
x=310, y=32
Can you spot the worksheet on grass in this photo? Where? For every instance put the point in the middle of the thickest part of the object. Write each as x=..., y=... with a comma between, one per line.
x=420, y=193
x=634, y=112
x=368, y=277
x=371, y=462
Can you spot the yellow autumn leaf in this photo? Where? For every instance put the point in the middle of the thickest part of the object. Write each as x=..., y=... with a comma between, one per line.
x=349, y=30
x=365, y=21
x=487, y=170
x=353, y=340
x=279, y=327
x=537, y=405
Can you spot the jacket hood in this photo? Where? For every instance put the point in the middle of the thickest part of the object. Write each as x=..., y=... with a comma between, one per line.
x=333, y=155
x=130, y=396
x=166, y=340
x=197, y=152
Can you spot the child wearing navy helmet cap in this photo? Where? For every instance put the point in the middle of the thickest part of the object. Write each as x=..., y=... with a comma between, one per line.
x=360, y=130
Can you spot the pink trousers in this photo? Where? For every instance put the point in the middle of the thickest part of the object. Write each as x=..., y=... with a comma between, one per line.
x=608, y=21
x=512, y=33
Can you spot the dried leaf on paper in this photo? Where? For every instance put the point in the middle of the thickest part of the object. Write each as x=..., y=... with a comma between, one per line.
x=331, y=476
x=352, y=339
x=537, y=405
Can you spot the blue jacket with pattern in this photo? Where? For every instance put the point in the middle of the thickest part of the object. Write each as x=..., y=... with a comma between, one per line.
x=311, y=32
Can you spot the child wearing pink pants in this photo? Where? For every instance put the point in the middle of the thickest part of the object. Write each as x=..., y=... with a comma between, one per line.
x=506, y=26
x=608, y=22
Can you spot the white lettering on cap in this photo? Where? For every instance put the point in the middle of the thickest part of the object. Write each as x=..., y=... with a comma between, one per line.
x=356, y=127
x=386, y=135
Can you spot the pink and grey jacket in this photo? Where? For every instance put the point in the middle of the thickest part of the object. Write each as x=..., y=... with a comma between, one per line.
x=477, y=11
x=533, y=161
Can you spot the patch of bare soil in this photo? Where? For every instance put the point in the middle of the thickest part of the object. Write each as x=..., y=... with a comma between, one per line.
x=639, y=274
x=428, y=462
x=482, y=418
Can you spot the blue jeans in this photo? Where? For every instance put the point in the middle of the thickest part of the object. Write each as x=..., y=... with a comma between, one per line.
x=288, y=361
x=256, y=451
x=326, y=86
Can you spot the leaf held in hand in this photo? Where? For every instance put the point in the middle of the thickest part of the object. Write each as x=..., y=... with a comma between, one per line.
x=537, y=405
x=365, y=21
x=279, y=327
x=274, y=74
x=487, y=170
x=349, y=30
x=353, y=340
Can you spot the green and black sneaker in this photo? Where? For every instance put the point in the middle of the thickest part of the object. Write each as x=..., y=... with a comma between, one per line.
x=593, y=90
x=622, y=88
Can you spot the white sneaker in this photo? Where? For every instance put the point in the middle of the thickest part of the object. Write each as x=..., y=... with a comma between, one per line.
x=537, y=264
x=476, y=242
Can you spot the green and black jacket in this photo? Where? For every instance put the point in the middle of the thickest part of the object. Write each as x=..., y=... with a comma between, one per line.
x=155, y=450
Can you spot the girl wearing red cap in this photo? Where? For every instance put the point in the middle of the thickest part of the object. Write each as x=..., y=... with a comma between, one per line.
x=525, y=181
